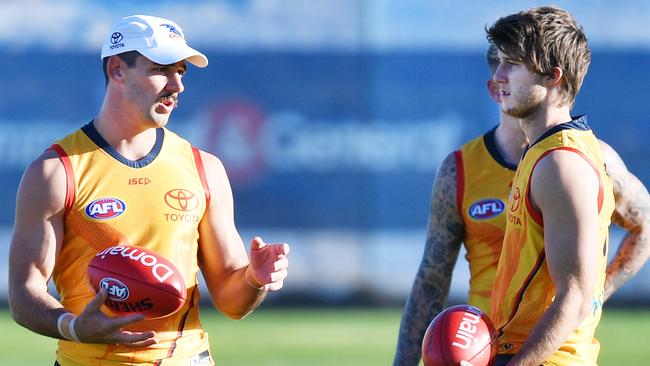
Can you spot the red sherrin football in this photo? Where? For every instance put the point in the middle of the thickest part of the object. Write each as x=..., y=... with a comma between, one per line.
x=138, y=280
x=460, y=335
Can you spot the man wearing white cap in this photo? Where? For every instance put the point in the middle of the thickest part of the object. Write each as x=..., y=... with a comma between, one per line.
x=158, y=191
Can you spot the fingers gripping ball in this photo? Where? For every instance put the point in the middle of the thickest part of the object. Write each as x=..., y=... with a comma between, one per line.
x=460, y=335
x=138, y=281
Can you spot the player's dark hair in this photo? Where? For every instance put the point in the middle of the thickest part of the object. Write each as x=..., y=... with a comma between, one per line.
x=544, y=38
x=129, y=58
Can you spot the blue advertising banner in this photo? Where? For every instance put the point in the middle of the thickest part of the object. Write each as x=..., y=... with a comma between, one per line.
x=317, y=140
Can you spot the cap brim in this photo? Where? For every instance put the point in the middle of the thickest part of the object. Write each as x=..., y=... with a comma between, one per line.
x=171, y=55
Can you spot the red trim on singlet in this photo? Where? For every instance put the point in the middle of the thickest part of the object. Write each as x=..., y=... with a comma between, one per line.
x=524, y=286
x=201, y=170
x=181, y=326
x=460, y=181
x=536, y=214
x=70, y=187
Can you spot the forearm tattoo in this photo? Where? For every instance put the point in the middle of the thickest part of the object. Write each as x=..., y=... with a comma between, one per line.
x=431, y=285
x=632, y=213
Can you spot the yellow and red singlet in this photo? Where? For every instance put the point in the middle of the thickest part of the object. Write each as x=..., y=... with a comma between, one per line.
x=523, y=289
x=483, y=184
x=155, y=202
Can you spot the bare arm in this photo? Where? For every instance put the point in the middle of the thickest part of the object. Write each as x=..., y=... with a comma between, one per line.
x=236, y=286
x=632, y=212
x=565, y=188
x=35, y=244
x=431, y=285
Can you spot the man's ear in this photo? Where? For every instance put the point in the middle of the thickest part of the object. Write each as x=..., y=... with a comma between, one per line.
x=114, y=68
x=493, y=89
x=555, y=77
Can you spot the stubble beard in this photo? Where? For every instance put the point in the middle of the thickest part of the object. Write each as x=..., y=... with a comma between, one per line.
x=527, y=104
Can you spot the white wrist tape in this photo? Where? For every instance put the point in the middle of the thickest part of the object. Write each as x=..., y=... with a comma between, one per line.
x=73, y=333
x=59, y=322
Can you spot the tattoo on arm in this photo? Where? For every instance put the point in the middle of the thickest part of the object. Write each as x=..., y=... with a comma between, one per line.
x=431, y=285
x=632, y=212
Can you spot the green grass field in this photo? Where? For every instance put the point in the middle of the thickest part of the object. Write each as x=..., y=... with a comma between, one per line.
x=313, y=337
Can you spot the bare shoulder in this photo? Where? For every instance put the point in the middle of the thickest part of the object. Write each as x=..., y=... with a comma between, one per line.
x=560, y=180
x=217, y=180
x=632, y=198
x=48, y=160
x=563, y=166
x=210, y=161
x=214, y=170
x=444, y=207
x=446, y=183
x=44, y=181
x=614, y=165
x=447, y=169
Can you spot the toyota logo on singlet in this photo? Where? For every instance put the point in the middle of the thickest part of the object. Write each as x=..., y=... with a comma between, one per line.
x=181, y=200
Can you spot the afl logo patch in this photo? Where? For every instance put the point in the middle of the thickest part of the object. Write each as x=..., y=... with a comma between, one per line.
x=486, y=209
x=115, y=288
x=105, y=208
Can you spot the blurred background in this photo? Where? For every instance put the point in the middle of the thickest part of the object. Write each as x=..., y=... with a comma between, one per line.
x=331, y=117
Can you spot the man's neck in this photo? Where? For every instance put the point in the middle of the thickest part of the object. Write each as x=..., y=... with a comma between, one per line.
x=510, y=139
x=129, y=141
x=545, y=119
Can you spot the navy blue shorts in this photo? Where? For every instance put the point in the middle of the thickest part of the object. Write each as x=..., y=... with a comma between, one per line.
x=502, y=360
x=203, y=356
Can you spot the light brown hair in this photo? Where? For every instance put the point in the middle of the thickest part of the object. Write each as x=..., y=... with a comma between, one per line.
x=544, y=38
x=492, y=58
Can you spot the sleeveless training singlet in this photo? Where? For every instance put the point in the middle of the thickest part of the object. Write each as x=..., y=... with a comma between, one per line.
x=156, y=202
x=523, y=289
x=483, y=181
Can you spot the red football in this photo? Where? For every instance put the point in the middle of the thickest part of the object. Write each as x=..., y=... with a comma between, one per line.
x=460, y=335
x=138, y=280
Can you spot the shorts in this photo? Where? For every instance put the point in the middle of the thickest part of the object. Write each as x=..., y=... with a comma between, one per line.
x=502, y=360
x=201, y=359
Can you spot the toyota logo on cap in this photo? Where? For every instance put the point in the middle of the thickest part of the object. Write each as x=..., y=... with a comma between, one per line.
x=116, y=37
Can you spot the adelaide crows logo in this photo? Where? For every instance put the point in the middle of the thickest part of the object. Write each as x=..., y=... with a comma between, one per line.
x=173, y=31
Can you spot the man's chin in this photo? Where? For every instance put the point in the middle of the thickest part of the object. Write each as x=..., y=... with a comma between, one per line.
x=159, y=120
x=518, y=113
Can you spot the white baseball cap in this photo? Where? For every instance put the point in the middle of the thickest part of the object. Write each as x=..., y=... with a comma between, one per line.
x=158, y=39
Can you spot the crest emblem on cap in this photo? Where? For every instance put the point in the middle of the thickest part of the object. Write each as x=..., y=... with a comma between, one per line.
x=173, y=31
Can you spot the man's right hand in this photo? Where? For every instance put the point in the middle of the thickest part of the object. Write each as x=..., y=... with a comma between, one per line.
x=93, y=326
